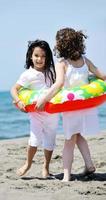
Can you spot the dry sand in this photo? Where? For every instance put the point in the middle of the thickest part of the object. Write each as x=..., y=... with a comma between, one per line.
x=32, y=187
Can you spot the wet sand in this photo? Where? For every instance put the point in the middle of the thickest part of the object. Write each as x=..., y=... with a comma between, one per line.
x=33, y=186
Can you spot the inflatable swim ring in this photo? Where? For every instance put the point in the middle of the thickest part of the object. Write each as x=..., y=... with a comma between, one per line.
x=86, y=96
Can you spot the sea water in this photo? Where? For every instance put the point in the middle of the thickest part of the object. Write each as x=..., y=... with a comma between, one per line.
x=14, y=124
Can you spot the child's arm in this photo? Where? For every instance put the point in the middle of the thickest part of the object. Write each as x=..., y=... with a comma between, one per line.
x=14, y=93
x=53, y=90
x=95, y=70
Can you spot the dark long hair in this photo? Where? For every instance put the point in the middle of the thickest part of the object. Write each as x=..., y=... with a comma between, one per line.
x=70, y=44
x=49, y=69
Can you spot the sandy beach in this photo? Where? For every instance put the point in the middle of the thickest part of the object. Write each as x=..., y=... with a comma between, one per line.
x=32, y=186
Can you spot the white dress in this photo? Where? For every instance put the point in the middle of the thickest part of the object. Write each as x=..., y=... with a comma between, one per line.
x=83, y=121
x=43, y=125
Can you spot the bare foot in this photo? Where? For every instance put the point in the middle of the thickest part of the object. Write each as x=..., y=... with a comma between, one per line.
x=45, y=173
x=89, y=171
x=66, y=176
x=66, y=179
x=21, y=171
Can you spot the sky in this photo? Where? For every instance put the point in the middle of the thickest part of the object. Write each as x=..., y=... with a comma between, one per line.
x=24, y=20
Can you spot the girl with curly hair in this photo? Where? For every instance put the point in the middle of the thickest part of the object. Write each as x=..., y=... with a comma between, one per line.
x=72, y=69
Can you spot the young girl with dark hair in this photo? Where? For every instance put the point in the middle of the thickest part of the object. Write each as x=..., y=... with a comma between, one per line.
x=39, y=74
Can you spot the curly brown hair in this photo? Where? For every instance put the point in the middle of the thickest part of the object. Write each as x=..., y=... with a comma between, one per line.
x=70, y=44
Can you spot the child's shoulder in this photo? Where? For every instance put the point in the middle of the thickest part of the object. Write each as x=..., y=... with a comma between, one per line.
x=62, y=62
x=87, y=61
x=25, y=73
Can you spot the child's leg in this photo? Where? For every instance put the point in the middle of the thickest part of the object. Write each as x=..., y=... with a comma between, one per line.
x=50, y=123
x=30, y=154
x=84, y=149
x=68, y=152
x=47, y=159
x=34, y=141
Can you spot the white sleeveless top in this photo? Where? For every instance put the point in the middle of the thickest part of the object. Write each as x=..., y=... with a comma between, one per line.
x=76, y=76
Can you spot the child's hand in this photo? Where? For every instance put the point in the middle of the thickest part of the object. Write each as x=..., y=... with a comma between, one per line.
x=21, y=105
x=40, y=104
x=105, y=77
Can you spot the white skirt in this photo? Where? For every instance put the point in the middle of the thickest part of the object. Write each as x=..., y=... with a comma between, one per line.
x=84, y=121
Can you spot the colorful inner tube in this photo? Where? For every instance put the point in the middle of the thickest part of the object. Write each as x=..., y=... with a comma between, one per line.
x=81, y=97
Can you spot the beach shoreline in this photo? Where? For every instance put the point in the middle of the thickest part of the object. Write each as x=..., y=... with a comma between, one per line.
x=31, y=185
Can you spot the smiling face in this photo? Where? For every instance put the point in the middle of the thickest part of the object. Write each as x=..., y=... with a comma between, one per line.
x=38, y=58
